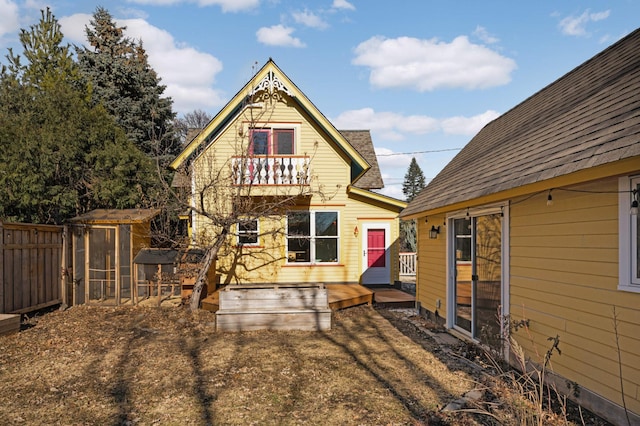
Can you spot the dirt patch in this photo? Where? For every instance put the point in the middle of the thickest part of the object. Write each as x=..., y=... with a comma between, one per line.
x=142, y=365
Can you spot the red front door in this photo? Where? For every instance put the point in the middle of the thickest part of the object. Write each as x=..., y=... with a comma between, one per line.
x=376, y=248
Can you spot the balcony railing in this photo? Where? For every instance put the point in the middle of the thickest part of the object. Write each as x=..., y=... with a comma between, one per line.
x=270, y=170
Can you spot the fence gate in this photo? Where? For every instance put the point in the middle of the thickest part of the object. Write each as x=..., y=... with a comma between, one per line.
x=31, y=259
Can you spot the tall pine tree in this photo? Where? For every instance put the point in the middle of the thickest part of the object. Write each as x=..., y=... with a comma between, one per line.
x=413, y=183
x=54, y=161
x=117, y=67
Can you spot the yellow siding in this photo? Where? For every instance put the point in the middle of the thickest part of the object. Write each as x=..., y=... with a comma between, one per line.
x=431, y=265
x=330, y=176
x=564, y=278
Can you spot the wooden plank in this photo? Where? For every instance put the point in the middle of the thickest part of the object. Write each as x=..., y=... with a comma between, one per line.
x=285, y=298
x=9, y=323
x=347, y=295
x=305, y=320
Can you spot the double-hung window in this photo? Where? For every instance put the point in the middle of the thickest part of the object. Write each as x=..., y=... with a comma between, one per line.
x=629, y=234
x=247, y=232
x=272, y=141
x=312, y=237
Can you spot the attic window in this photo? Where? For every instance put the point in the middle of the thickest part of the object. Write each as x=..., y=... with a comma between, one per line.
x=272, y=142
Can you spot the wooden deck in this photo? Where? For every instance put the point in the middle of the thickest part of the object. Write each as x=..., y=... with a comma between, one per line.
x=344, y=296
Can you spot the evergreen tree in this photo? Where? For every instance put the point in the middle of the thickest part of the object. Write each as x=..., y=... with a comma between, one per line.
x=123, y=81
x=53, y=161
x=413, y=183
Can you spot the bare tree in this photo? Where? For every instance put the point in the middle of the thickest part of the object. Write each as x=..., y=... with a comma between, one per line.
x=194, y=120
x=234, y=185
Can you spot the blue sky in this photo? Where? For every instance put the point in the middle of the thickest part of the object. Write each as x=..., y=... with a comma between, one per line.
x=424, y=76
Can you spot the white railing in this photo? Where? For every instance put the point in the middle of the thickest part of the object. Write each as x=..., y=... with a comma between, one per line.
x=276, y=170
x=407, y=263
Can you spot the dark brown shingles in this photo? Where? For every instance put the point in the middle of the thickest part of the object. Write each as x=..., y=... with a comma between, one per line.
x=361, y=141
x=589, y=117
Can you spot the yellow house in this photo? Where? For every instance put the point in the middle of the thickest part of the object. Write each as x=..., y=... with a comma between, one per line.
x=536, y=220
x=299, y=193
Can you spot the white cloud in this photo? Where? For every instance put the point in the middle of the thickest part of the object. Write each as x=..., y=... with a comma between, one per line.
x=427, y=65
x=8, y=17
x=392, y=126
x=309, y=19
x=483, y=34
x=278, y=35
x=342, y=4
x=225, y=5
x=188, y=74
x=468, y=126
x=577, y=25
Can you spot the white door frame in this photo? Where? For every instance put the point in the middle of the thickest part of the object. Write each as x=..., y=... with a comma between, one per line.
x=380, y=275
x=451, y=261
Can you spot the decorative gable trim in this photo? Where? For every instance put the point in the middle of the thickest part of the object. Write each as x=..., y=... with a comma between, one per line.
x=271, y=80
x=271, y=85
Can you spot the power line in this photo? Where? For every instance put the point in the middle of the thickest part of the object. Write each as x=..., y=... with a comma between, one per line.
x=418, y=152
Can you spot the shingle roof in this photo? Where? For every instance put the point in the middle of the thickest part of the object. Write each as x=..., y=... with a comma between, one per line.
x=111, y=216
x=361, y=141
x=588, y=117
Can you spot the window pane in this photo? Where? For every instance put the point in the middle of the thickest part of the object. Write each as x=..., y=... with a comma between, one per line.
x=299, y=250
x=259, y=142
x=327, y=224
x=299, y=224
x=463, y=226
x=327, y=250
x=248, y=232
x=283, y=141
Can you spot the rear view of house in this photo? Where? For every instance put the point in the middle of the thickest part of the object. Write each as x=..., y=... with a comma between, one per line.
x=304, y=190
x=537, y=220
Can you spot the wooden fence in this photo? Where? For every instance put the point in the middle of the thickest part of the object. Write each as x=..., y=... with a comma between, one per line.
x=31, y=259
x=407, y=263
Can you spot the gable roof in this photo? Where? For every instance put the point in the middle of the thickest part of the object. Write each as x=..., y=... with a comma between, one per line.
x=361, y=141
x=588, y=117
x=269, y=77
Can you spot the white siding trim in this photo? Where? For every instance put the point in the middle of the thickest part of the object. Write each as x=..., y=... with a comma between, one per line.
x=624, y=236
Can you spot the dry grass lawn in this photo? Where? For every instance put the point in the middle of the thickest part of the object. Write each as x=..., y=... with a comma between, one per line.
x=168, y=366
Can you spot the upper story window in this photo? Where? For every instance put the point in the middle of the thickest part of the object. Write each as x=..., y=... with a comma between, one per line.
x=272, y=141
x=628, y=234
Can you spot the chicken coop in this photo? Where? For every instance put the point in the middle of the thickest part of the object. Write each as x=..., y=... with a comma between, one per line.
x=104, y=245
x=156, y=274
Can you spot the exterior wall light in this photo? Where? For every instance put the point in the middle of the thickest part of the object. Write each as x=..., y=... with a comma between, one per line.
x=634, y=203
x=356, y=231
x=433, y=232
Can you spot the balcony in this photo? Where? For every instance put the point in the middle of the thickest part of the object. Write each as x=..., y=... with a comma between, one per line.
x=270, y=170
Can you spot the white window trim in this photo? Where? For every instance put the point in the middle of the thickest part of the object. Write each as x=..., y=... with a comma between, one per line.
x=312, y=238
x=627, y=226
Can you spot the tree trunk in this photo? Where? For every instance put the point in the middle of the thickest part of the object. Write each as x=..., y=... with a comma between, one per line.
x=202, y=277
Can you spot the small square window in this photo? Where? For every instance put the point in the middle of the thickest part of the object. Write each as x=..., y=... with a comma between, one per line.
x=248, y=232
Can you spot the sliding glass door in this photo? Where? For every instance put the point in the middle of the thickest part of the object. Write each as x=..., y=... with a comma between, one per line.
x=477, y=287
